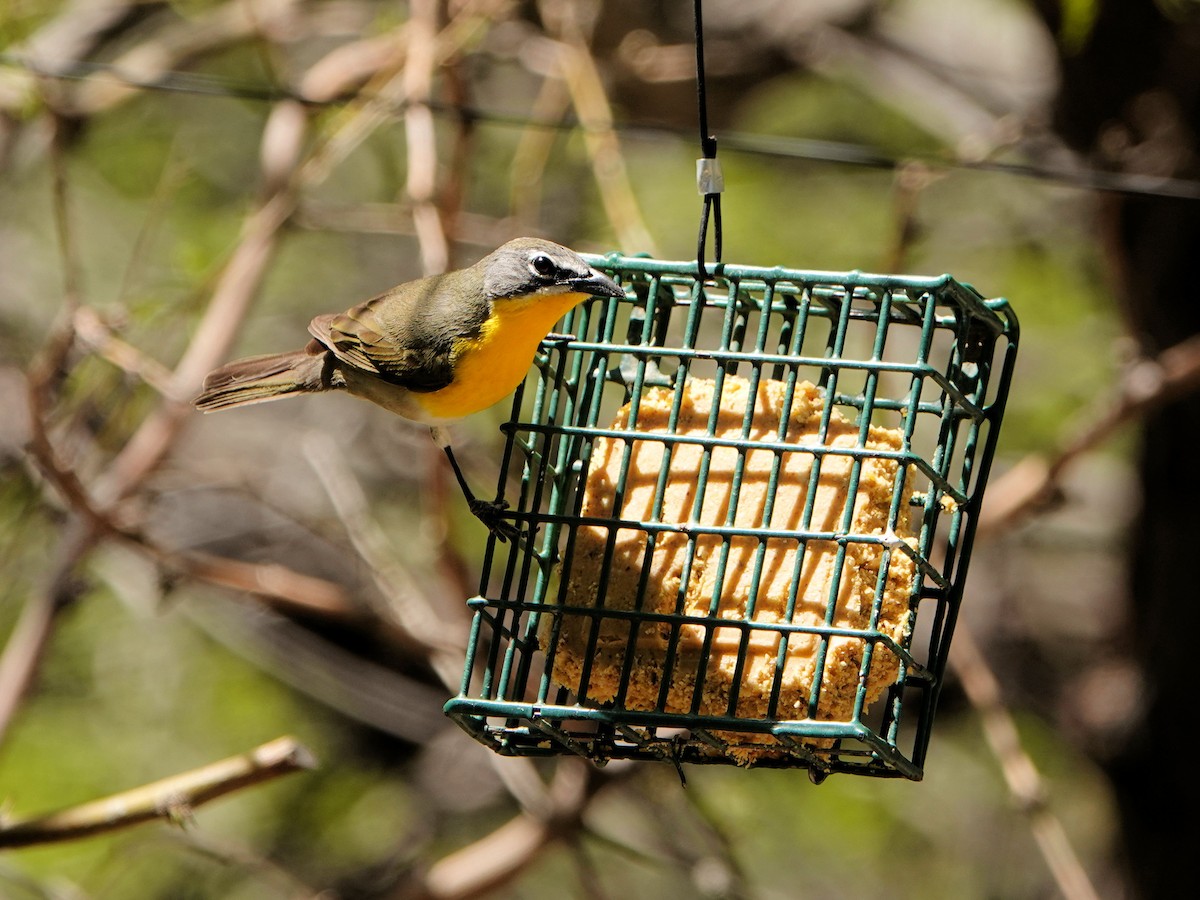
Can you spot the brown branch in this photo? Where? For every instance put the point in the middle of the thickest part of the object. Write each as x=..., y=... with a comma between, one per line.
x=172, y=799
x=174, y=45
x=533, y=151
x=94, y=333
x=509, y=850
x=909, y=182
x=28, y=640
x=153, y=440
x=1147, y=385
x=458, y=171
x=409, y=603
x=279, y=585
x=477, y=229
x=1020, y=774
x=421, y=141
x=218, y=329
x=234, y=855
x=353, y=65
x=26, y=644
x=579, y=71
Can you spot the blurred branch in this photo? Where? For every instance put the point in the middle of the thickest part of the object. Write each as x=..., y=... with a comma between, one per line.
x=233, y=855
x=533, y=151
x=910, y=181
x=172, y=798
x=352, y=65
x=275, y=583
x=152, y=441
x=1146, y=385
x=1020, y=774
x=94, y=333
x=427, y=49
x=175, y=44
x=342, y=679
x=907, y=83
x=236, y=288
x=420, y=139
x=26, y=644
x=458, y=170
x=409, y=604
x=508, y=851
x=578, y=69
x=77, y=28
x=479, y=229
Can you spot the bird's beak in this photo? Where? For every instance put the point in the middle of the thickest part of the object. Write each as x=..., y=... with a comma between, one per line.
x=597, y=284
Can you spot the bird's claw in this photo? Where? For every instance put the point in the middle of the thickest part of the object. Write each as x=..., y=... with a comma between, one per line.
x=488, y=512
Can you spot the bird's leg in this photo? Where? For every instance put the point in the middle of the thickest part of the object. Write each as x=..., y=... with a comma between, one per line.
x=486, y=511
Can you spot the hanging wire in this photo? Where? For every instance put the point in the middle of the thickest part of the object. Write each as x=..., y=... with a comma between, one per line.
x=709, y=180
x=763, y=145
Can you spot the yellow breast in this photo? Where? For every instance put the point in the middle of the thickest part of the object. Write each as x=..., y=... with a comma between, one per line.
x=490, y=367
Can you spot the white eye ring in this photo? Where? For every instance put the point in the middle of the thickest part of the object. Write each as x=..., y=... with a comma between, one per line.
x=543, y=266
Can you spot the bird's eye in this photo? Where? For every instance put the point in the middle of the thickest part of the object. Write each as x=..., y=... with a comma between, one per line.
x=543, y=265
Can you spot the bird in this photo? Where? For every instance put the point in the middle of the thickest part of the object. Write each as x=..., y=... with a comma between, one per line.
x=431, y=350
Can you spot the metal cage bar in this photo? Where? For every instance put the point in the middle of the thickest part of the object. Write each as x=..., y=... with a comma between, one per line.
x=911, y=377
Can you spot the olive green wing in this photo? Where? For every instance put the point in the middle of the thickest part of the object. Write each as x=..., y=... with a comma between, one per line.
x=399, y=354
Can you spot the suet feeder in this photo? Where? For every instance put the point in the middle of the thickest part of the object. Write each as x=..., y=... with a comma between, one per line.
x=748, y=503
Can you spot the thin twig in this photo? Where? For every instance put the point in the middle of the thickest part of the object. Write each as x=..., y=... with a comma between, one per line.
x=582, y=76
x=533, y=151
x=506, y=852
x=26, y=644
x=218, y=329
x=420, y=139
x=458, y=172
x=153, y=440
x=1146, y=386
x=910, y=181
x=230, y=854
x=176, y=43
x=409, y=603
x=279, y=585
x=172, y=799
x=1020, y=774
x=94, y=333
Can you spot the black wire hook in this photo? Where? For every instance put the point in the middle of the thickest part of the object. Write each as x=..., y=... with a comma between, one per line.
x=709, y=180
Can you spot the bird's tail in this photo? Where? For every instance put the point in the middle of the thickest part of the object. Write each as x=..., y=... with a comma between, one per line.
x=258, y=379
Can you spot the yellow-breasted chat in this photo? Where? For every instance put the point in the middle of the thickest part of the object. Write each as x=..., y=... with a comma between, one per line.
x=432, y=350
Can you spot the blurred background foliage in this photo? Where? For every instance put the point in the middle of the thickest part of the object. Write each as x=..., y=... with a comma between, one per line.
x=854, y=134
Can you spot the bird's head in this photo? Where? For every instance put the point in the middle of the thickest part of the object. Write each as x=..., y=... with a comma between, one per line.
x=527, y=267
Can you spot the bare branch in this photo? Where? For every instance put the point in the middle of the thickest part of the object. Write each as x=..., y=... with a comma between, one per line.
x=508, y=851
x=1146, y=386
x=352, y=65
x=409, y=604
x=1020, y=774
x=533, y=151
x=172, y=799
x=27, y=642
x=277, y=584
x=909, y=183
x=174, y=45
x=578, y=69
x=421, y=183
x=150, y=444
x=95, y=334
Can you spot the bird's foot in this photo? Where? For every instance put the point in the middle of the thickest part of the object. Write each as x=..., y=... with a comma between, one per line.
x=488, y=512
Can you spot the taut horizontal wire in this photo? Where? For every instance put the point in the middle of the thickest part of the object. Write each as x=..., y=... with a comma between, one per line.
x=773, y=146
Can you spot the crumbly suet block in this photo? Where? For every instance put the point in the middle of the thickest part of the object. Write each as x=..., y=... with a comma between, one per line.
x=720, y=582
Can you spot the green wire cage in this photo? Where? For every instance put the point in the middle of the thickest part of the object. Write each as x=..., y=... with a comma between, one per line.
x=747, y=507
